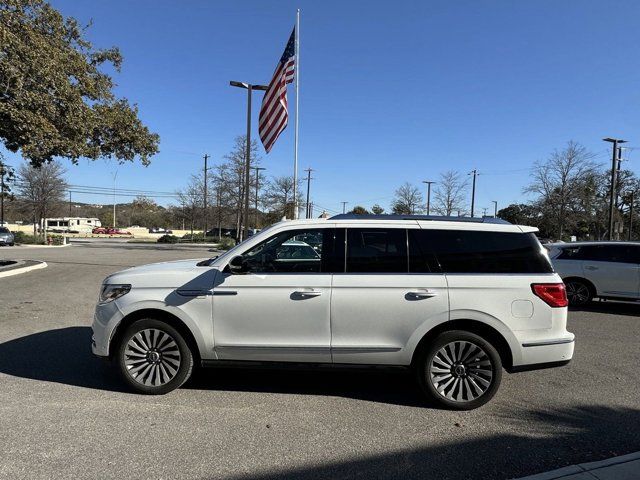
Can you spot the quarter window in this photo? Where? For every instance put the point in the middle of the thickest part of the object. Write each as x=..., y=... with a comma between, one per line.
x=376, y=250
x=461, y=251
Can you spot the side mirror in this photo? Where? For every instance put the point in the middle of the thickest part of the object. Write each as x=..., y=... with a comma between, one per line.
x=237, y=265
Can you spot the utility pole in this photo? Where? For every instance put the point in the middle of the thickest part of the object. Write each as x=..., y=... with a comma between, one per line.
x=495, y=208
x=631, y=194
x=257, y=169
x=206, y=169
x=344, y=207
x=69, y=203
x=473, y=172
x=428, y=195
x=614, y=164
x=308, y=170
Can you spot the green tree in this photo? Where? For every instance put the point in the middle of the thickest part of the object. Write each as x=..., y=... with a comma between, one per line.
x=55, y=101
x=377, y=209
x=358, y=210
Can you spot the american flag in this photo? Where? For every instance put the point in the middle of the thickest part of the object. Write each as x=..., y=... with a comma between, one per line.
x=274, y=114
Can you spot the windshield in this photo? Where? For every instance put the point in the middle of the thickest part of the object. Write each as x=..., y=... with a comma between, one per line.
x=4, y=230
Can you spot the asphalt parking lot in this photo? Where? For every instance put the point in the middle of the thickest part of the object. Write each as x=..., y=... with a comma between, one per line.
x=64, y=413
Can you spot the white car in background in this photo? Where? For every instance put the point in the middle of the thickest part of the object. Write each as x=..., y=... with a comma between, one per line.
x=608, y=270
x=453, y=299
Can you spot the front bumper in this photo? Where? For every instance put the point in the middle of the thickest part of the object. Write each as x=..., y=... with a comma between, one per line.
x=105, y=319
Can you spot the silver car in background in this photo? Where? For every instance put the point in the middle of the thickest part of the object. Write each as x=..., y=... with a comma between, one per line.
x=6, y=237
x=609, y=270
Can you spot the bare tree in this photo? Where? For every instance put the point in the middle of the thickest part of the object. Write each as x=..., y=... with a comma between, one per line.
x=559, y=181
x=229, y=178
x=450, y=194
x=40, y=189
x=190, y=201
x=278, y=197
x=407, y=200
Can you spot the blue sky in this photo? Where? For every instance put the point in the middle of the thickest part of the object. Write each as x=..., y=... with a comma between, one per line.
x=390, y=91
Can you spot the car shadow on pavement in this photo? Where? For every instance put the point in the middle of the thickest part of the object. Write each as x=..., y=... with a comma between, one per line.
x=62, y=356
x=610, y=307
x=546, y=440
x=392, y=386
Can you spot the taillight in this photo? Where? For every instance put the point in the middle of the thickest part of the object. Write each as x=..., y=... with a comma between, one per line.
x=553, y=294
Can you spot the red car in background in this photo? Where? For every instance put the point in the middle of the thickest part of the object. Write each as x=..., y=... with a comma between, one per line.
x=109, y=231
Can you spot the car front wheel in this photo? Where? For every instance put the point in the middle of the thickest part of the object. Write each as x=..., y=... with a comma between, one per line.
x=153, y=357
x=459, y=370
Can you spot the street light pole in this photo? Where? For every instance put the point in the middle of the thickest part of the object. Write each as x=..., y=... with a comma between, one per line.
x=344, y=207
x=495, y=208
x=257, y=169
x=428, y=195
x=612, y=196
x=244, y=224
x=206, y=169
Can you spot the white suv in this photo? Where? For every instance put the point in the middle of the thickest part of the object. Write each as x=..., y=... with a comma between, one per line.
x=598, y=269
x=454, y=299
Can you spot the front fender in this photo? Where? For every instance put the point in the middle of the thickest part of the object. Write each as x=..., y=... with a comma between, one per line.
x=201, y=329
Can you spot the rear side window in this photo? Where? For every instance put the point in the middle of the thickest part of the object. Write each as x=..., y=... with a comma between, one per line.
x=379, y=250
x=604, y=253
x=461, y=251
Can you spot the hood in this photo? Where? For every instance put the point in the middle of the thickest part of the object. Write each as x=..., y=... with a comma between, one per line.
x=161, y=275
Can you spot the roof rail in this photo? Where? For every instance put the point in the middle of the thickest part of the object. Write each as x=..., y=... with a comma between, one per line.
x=355, y=216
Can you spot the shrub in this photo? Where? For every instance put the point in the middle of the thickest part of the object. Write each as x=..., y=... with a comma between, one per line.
x=25, y=238
x=168, y=239
x=226, y=243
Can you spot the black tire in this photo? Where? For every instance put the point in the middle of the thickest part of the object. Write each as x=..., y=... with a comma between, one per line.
x=167, y=363
x=579, y=292
x=460, y=386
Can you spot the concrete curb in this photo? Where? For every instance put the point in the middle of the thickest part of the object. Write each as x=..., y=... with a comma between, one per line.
x=43, y=246
x=624, y=467
x=17, y=271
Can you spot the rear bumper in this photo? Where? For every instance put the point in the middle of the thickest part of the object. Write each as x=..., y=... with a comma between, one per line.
x=539, y=353
x=538, y=366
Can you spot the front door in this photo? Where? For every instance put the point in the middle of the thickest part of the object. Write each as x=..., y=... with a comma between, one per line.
x=278, y=308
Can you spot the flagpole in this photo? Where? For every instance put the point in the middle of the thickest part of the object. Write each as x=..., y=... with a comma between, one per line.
x=295, y=141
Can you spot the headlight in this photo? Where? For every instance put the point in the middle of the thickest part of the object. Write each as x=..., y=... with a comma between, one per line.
x=110, y=292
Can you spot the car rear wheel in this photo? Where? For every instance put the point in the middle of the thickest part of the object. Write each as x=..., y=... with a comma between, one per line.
x=459, y=370
x=153, y=357
x=578, y=292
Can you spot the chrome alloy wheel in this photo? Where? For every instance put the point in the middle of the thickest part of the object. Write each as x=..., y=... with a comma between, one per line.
x=461, y=371
x=577, y=293
x=152, y=357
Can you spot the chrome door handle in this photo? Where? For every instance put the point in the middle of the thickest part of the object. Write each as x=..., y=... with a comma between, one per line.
x=308, y=293
x=421, y=294
x=590, y=267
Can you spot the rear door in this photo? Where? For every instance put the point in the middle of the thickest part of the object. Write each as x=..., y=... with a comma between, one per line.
x=377, y=303
x=613, y=269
